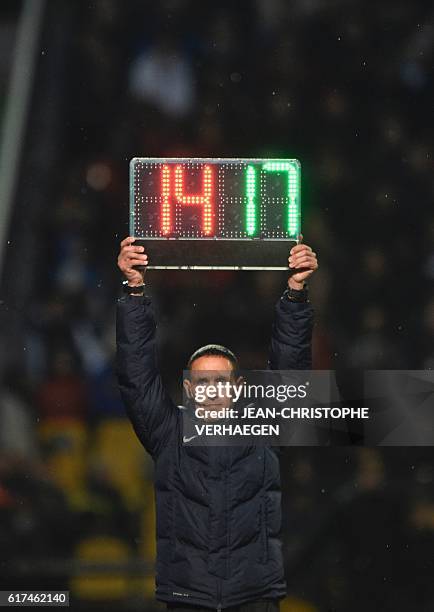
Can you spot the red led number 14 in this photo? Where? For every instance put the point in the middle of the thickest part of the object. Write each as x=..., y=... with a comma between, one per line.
x=203, y=199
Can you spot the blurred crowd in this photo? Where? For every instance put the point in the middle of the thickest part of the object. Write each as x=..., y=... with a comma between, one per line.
x=346, y=89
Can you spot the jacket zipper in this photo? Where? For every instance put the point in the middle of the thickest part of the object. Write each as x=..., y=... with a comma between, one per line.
x=219, y=595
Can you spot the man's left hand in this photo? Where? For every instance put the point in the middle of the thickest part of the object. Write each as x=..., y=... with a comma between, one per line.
x=304, y=263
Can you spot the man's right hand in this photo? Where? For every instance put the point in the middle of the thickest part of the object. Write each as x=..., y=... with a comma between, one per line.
x=130, y=256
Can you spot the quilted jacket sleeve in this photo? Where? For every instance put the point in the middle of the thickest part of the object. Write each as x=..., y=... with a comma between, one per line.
x=150, y=409
x=291, y=338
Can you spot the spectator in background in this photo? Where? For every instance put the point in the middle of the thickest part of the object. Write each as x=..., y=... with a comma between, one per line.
x=162, y=77
x=17, y=436
x=62, y=394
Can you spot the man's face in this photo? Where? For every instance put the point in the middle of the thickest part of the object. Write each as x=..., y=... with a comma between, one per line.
x=207, y=372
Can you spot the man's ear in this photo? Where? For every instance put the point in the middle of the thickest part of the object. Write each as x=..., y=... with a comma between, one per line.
x=187, y=388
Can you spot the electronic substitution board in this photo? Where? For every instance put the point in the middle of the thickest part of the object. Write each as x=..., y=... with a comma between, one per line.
x=215, y=213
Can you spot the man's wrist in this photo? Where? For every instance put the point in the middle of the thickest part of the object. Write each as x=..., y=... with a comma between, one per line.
x=297, y=295
x=292, y=284
x=133, y=288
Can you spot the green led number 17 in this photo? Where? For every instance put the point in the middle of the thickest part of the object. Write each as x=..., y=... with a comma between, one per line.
x=292, y=212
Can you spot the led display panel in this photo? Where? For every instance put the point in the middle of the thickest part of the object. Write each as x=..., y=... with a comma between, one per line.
x=215, y=213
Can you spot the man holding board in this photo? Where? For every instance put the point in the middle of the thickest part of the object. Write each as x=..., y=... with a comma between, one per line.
x=218, y=509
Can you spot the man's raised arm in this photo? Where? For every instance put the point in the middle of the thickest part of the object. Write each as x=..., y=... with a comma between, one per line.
x=150, y=409
x=291, y=338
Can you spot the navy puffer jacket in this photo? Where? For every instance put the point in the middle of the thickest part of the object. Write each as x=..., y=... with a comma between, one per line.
x=218, y=509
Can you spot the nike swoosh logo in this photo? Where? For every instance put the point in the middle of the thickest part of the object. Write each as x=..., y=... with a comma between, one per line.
x=185, y=439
